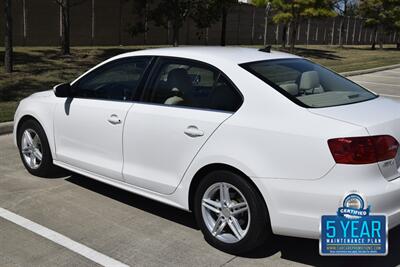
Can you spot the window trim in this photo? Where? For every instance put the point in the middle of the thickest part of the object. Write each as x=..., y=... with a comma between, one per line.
x=246, y=66
x=160, y=60
x=135, y=94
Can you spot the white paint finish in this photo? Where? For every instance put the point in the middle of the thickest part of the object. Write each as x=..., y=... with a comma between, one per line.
x=176, y=200
x=297, y=205
x=86, y=139
x=60, y=239
x=221, y=57
x=41, y=106
x=380, y=116
x=157, y=151
x=281, y=146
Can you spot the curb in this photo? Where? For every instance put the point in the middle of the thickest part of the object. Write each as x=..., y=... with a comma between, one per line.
x=366, y=71
x=6, y=127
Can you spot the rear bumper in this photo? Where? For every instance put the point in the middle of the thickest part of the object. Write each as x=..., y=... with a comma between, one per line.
x=296, y=206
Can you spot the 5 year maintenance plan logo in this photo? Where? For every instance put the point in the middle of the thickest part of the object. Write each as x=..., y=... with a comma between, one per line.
x=353, y=231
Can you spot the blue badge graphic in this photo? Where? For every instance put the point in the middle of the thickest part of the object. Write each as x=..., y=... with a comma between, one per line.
x=353, y=231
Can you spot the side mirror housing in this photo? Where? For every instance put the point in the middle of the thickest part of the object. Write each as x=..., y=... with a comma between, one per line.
x=63, y=90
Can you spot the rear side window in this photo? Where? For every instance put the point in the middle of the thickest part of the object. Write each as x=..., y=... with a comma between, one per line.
x=117, y=80
x=308, y=84
x=192, y=84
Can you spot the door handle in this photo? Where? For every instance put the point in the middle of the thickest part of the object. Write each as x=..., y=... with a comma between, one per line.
x=114, y=119
x=193, y=131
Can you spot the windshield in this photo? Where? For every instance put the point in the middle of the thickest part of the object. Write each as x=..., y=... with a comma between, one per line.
x=308, y=84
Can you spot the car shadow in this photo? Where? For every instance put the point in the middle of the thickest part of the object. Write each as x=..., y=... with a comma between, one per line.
x=306, y=251
x=151, y=206
x=298, y=250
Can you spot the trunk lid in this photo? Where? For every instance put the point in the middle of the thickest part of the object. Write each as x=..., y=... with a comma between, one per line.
x=380, y=116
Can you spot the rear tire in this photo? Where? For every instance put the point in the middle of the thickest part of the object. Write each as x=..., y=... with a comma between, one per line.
x=228, y=225
x=34, y=149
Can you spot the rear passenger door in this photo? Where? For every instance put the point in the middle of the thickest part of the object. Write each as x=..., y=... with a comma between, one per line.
x=185, y=102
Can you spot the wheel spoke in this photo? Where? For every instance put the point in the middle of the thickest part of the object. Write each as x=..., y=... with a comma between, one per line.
x=224, y=193
x=226, y=212
x=31, y=149
x=32, y=161
x=239, y=208
x=235, y=227
x=220, y=224
x=28, y=138
x=38, y=154
x=26, y=151
x=212, y=205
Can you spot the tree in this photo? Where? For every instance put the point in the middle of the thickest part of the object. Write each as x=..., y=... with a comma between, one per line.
x=382, y=16
x=293, y=12
x=171, y=11
x=8, y=46
x=66, y=23
x=175, y=12
x=223, y=6
x=344, y=8
x=205, y=13
x=267, y=5
x=141, y=16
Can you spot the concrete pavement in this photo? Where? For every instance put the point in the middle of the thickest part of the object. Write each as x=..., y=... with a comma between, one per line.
x=126, y=227
x=383, y=82
x=135, y=230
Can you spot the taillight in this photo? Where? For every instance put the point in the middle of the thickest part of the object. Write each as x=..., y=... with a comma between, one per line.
x=363, y=150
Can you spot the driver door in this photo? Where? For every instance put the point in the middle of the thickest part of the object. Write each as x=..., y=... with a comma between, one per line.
x=89, y=127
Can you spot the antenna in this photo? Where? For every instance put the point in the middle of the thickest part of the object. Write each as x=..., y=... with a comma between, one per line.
x=266, y=49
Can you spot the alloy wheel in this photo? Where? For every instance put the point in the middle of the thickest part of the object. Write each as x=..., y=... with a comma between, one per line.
x=31, y=149
x=225, y=212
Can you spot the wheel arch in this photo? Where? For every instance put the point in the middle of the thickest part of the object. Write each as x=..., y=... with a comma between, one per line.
x=23, y=119
x=202, y=172
x=28, y=117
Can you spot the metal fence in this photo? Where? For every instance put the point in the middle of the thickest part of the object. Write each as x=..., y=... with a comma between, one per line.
x=105, y=22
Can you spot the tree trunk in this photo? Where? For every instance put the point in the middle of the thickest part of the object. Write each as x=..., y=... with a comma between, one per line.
x=341, y=28
x=380, y=37
x=223, y=26
x=293, y=37
x=8, y=55
x=284, y=34
x=374, y=39
x=175, y=35
x=65, y=39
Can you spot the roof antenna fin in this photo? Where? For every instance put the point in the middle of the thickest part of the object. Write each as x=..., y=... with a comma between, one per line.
x=266, y=49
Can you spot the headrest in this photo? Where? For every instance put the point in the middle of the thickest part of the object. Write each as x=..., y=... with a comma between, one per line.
x=309, y=80
x=179, y=79
x=291, y=88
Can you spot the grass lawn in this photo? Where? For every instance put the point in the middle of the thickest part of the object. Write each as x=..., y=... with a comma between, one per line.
x=40, y=68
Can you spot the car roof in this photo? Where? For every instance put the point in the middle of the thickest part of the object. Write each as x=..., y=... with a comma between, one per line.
x=212, y=54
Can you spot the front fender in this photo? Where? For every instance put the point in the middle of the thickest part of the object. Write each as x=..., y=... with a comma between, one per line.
x=42, y=110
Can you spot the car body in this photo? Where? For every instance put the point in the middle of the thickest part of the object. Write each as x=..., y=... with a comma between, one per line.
x=279, y=144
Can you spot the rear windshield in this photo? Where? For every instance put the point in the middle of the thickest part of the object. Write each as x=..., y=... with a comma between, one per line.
x=308, y=84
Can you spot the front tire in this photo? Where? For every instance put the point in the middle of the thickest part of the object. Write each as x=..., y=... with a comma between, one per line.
x=34, y=149
x=231, y=213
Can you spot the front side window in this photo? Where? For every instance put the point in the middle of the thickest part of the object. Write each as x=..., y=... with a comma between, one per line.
x=117, y=80
x=196, y=85
x=307, y=83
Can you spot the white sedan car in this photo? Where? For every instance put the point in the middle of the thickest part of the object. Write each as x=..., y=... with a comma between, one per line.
x=255, y=143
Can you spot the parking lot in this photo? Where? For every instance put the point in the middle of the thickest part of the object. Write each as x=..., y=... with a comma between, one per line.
x=82, y=222
x=386, y=82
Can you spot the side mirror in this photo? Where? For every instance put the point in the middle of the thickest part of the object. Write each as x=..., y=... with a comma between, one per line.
x=63, y=90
